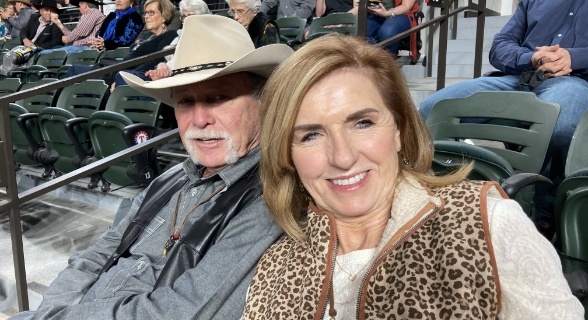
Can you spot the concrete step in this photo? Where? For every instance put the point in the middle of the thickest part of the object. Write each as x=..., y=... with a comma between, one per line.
x=462, y=70
x=470, y=33
x=490, y=22
x=462, y=58
x=467, y=45
x=417, y=71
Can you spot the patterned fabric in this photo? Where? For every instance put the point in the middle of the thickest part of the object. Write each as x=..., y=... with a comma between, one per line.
x=438, y=265
x=86, y=28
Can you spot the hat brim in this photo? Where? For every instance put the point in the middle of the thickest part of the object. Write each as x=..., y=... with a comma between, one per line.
x=260, y=61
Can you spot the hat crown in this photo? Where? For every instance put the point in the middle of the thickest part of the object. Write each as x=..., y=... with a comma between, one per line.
x=220, y=39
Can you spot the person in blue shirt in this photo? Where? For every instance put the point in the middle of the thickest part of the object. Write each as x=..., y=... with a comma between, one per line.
x=542, y=49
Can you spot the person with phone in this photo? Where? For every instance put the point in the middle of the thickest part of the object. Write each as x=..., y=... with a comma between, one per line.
x=389, y=18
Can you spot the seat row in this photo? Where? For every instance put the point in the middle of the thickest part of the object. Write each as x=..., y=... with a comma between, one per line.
x=517, y=131
x=56, y=63
x=63, y=131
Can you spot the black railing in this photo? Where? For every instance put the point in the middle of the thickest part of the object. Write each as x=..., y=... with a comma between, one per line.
x=8, y=174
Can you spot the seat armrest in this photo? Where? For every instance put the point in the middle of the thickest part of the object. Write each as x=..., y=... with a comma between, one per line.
x=70, y=127
x=513, y=184
x=23, y=120
x=138, y=132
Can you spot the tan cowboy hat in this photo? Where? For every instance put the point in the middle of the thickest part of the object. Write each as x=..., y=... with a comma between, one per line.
x=27, y=2
x=211, y=46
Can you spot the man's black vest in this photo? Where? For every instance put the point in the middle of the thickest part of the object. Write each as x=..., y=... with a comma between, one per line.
x=203, y=233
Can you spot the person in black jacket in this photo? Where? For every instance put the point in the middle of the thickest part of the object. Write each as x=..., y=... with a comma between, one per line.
x=40, y=31
x=261, y=28
x=120, y=28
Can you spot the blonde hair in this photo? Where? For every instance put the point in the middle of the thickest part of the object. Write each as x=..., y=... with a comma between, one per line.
x=281, y=101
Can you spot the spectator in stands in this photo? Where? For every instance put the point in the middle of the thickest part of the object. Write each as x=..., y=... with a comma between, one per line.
x=187, y=8
x=9, y=12
x=24, y=12
x=326, y=7
x=389, y=18
x=188, y=247
x=371, y=232
x=157, y=14
x=41, y=31
x=542, y=49
x=82, y=36
x=289, y=8
x=262, y=30
x=120, y=28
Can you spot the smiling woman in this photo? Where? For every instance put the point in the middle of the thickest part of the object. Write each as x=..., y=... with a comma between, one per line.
x=371, y=233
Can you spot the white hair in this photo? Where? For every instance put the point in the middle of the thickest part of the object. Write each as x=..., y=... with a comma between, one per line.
x=197, y=6
x=251, y=4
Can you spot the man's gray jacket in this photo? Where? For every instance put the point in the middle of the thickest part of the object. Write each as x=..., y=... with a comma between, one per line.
x=214, y=289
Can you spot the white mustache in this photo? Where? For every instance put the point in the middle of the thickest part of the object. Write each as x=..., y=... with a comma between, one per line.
x=206, y=135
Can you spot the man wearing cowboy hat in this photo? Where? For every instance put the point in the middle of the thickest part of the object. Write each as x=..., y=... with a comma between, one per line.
x=189, y=245
x=23, y=8
x=84, y=32
x=41, y=31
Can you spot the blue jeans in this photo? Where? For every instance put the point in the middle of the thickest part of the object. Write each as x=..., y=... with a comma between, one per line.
x=569, y=92
x=119, y=81
x=68, y=49
x=380, y=29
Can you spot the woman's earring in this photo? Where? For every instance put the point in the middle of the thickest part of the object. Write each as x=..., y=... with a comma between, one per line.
x=404, y=159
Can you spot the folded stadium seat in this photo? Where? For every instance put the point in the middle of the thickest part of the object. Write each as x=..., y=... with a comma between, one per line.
x=19, y=141
x=110, y=57
x=59, y=152
x=44, y=62
x=517, y=128
x=571, y=201
x=27, y=121
x=291, y=30
x=129, y=118
x=9, y=85
x=340, y=22
x=87, y=57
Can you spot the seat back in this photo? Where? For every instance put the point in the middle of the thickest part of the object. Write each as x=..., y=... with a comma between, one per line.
x=87, y=57
x=9, y=85
x=129, y=118
x=578, y=153
x=78, y=100
x=291, y=28
x=571, y=201
x=47, y=62
x=40, y=101
x=340, y=22
x=573, y=231
x=137, y=106
x=106, y=133
x=109, y=57
x=84, y=98
x=19, y=139
x=517, y=119
x=10, y=44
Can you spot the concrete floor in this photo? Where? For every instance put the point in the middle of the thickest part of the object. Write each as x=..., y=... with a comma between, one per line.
x=55, y=226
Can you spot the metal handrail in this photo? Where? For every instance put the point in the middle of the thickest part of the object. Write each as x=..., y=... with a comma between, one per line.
x=15, y=199
x=8, y=175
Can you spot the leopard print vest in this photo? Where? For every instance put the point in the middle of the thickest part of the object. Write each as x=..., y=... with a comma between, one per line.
x=442, y=267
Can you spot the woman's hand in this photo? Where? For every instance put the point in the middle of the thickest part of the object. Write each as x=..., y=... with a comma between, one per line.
x=380, y=10
x=98, y=43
